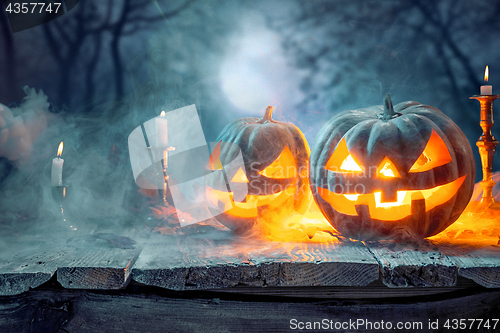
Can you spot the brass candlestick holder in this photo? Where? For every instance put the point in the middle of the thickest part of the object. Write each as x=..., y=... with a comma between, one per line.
x=487, y=145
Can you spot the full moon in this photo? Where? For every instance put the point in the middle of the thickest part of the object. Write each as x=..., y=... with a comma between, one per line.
x=255, y=73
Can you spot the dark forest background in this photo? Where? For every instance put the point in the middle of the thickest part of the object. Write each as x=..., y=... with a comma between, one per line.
x=109, y=65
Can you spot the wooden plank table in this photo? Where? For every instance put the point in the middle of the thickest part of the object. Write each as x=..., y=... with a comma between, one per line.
x=29, y=268
x=207, y=264
x=206, y=276
x=216, y=259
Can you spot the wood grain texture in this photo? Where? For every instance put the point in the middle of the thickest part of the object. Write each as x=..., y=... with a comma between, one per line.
x=206, y=263
x=206, y=258
x=124, y=311
x=475, y=261
x=374, y=291
x=486, y=276
x=413, y=265
x=100, y=268
x=29, y=268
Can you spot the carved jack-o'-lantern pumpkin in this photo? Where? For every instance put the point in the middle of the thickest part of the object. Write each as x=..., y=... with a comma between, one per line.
x=405, y=172
x=274, y=174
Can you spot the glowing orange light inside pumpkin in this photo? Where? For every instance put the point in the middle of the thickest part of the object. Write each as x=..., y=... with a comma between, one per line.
x=342, y=160
x=486, y=74
x=249, y=208
x=349, y=164
x=391, y=211
x=282, y=167
x=60, y=149
x=435, y=154
x=240, y=177
x=401, y=195
x=387, y=169
x=351, y=197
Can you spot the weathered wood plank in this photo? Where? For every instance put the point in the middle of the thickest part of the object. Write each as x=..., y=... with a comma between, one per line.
x=211, y=262
x=475, y=260
x=28, y=268
x=140, y=311
x=100, y=268
x=413, y=265
x=375, y=291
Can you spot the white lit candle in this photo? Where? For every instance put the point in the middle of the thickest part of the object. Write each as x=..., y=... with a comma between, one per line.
x=161, y=130
x=57, y=166
x=486, y=89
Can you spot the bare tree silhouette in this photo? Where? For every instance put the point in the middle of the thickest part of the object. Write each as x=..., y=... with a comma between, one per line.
x=414, y=47
x=80, y=36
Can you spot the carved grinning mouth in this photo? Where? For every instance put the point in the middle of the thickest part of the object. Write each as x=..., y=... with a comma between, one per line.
x=391, y=211
x=249, y=207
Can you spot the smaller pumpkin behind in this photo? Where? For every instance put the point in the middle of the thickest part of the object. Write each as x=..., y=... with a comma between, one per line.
x=274, y=177
x=391, y=172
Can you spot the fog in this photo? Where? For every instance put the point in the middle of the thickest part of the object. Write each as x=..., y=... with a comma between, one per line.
x=89, y=81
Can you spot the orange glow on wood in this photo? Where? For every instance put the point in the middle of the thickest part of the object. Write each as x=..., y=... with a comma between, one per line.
x=311, y=226
x=435, y=154
x=478, y=224
x=391, y=211
x=283, y=167
x=387, y=170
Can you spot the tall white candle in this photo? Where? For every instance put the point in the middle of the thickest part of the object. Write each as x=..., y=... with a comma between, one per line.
x=57, y=167
x=161, y=130
x=486, y=89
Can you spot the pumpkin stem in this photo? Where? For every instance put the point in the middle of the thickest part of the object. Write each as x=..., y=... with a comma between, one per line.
x=268, y=116
x=388, y=107
x=269, y=113
x=389, y=112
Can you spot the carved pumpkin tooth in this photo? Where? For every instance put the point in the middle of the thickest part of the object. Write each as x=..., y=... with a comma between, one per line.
x=242, y=200
x=389, y=195
x=418, y=207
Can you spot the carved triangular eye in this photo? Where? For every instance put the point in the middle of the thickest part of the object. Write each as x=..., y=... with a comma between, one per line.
x=240, y=177
x=435, y=154
x=387, y=170
x=214, y=162
x=341, y=160
x=282, y=167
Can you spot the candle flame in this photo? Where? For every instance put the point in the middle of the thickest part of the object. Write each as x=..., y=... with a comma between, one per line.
x=60, y=149
x=162, y=114
x=486, y=74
